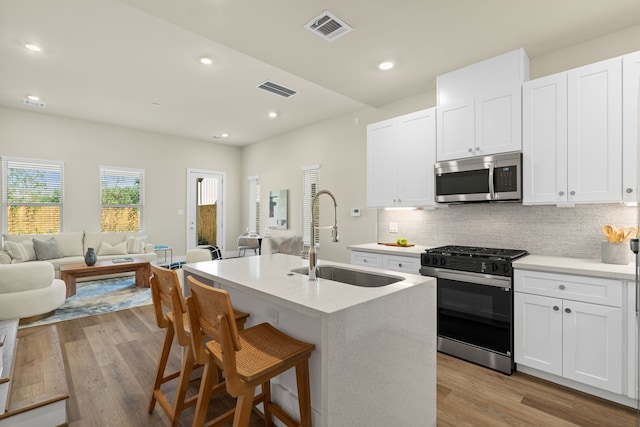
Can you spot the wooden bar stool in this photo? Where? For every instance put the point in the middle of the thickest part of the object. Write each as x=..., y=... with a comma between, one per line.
x=171, y=314
x=249, y=358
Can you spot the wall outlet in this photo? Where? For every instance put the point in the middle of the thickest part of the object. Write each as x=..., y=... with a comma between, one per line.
x=393, y=227
x=355, y=211
x=272, y=315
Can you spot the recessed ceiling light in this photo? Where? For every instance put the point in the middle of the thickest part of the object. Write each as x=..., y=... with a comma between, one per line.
x=273, y=114
x=225, y=135
x=33, y=98
x=32, y=47
x=386, y=65
x=206, y=61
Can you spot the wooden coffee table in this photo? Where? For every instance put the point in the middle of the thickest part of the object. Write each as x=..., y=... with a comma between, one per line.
x=70, y=272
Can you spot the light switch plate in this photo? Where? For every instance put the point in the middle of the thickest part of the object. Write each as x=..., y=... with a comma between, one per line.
x=393, y=227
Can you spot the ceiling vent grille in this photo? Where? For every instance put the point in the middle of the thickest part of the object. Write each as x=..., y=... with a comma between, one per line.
x=277, y=89
x=31, y=103
x=328, y=26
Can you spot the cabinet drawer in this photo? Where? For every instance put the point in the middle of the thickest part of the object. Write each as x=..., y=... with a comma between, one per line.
x=401, y=263
x=366, y=259
x=576, y=288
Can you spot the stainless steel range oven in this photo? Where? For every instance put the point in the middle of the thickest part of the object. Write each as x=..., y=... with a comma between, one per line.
x=475, y=302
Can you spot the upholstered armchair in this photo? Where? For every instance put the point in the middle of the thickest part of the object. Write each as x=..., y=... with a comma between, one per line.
x=29, y=291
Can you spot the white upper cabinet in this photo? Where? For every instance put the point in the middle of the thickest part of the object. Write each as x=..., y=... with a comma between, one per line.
x=400, y=158
x=572, y=136
x=479, y=107
x=630, y=114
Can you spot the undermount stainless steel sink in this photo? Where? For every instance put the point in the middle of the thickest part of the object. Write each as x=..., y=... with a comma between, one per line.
x=350, y=277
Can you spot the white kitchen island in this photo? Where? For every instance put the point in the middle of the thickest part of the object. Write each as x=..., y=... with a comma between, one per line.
x=375, y=357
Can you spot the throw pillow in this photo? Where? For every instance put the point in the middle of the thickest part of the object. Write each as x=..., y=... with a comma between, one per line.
x=47, y=250
x=135, y=245
x=107, y=249
x=21, y=251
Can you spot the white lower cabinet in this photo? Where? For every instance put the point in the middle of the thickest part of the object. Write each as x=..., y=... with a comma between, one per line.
x=404, y=264
x=570, y=337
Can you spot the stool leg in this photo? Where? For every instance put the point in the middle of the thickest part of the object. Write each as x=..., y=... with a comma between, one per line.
x=244, y=404
x=209, y=378
x=266, y=390
x=183, y=384
x=162, y=364
x=304, y=395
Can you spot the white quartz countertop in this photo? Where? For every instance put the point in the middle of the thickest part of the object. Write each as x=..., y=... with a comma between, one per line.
x=411, y=251
x=579, y=266
x=269, y=277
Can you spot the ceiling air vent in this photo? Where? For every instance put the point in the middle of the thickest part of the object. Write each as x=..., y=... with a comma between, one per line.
x=31, y=103
x=277, y=89
x=328, y=26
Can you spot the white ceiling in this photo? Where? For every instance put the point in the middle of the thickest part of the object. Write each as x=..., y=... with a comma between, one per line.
x=110, y=61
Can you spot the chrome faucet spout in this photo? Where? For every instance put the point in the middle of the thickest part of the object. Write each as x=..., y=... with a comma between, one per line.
x=313, y=253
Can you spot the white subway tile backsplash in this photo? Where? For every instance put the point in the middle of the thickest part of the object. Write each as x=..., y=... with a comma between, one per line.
x=544, y=230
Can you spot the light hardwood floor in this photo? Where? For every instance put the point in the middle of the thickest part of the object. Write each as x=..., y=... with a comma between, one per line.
x=110, y=362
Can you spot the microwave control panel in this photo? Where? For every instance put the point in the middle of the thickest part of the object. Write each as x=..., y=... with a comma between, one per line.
x=505, y=179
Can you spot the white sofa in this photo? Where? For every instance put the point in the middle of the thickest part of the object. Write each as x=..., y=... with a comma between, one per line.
x=71, y=247
x=29, y=289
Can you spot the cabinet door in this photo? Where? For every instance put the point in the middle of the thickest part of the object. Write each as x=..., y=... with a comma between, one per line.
x=595, y=132
x=632, y=342
x=456, y=131
x=382, y=164
x=498, y=128
x=544, y=140
x=592, y=345
x=416, y=136
x=630, y=114
x=538, y=332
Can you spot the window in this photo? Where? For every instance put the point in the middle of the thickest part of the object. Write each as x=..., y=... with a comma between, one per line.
x=122, y=198
x=32, y=196
x=254, y=204
x=310, y=187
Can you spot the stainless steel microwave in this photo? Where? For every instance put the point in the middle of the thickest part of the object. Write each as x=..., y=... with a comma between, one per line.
x=479, y=179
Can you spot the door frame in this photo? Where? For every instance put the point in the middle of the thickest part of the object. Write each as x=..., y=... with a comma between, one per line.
x=192, y=174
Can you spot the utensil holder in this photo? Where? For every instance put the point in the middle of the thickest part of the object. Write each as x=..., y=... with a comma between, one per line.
x=616, y=253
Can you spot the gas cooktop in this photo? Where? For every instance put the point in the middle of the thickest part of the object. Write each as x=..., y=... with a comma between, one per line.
x=478, y=252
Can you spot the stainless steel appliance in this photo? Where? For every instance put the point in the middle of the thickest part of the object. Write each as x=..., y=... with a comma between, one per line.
x=475, y=302
x=479, y=179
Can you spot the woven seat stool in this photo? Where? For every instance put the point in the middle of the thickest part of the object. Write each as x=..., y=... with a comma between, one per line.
x=248, y=358
x=171, y=314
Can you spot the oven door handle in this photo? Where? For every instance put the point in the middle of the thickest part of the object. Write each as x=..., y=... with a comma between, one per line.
x=477, y=278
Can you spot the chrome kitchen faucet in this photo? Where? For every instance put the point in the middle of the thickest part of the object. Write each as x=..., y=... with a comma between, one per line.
x=313, y=253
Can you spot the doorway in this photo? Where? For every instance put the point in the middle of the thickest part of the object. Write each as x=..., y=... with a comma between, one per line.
x=205, y=212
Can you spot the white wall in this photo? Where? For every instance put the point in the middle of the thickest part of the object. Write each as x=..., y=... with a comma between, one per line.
x=84, y=146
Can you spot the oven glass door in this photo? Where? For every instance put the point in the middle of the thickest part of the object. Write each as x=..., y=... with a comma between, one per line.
x=476, y=314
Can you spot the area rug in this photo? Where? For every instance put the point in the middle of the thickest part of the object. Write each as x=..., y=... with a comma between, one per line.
x=98, y=297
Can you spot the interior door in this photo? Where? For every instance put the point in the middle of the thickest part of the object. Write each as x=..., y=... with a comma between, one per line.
x=205, y=208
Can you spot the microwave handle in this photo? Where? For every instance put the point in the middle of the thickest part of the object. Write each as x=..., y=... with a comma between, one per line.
x=491, y=186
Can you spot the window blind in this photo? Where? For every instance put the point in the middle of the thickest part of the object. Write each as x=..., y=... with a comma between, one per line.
x=254, y=204
x=32, y=196
x=122, y=198
x=310, y=186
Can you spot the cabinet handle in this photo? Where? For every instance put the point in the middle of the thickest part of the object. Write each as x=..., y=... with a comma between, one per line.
x=561, y=193
x=477, y=148
x=470, y=150
x=562, y=287
x=572, y=193
x=399, y=264
x=567, y=310
x=556, y=308
x=629, y=190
